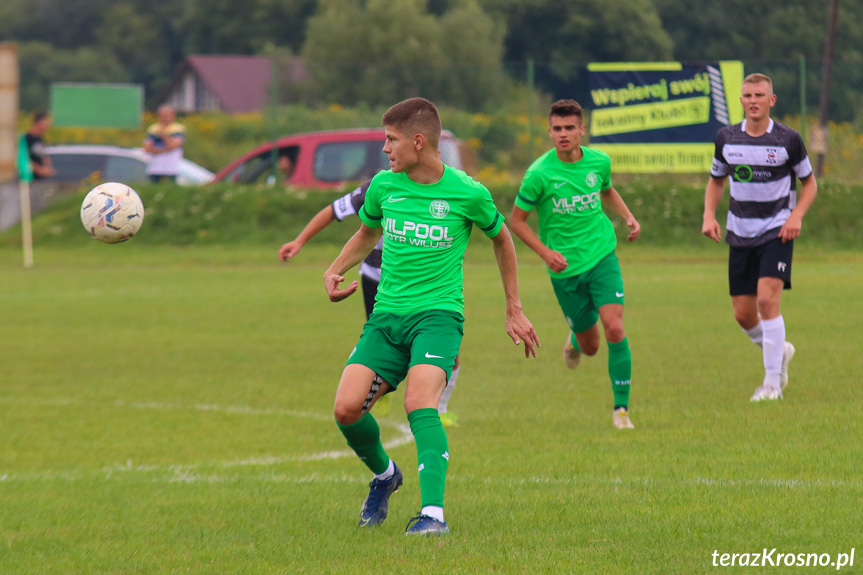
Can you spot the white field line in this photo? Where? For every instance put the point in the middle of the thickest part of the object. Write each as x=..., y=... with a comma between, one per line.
x=405, y=437
x=185, y=473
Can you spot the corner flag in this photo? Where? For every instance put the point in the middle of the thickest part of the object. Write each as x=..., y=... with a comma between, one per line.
x=25, y=168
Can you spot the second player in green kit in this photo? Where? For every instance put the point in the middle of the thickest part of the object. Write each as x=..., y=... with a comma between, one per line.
x=568, y=187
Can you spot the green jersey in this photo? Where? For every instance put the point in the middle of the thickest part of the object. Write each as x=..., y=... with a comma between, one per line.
x=426, y=230
x=567, y=200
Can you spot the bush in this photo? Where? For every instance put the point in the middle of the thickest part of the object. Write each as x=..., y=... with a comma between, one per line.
x=669, y=213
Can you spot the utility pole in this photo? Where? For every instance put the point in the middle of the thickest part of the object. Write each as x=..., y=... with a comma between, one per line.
x=826, y=75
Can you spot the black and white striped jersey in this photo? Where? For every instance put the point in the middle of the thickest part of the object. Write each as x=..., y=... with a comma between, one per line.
x=764, y=172
x=349, y=205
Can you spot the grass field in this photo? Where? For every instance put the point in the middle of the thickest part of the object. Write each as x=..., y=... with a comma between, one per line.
x=167, y=410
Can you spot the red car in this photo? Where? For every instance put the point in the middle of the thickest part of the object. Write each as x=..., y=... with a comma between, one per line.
x=323, y=159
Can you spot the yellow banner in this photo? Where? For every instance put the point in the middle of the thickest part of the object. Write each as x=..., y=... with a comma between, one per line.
x=658, y=158
x=640, y=117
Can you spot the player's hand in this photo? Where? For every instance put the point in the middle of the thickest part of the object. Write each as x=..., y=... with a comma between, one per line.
x=712, y=229
x=289, y=250
x=520, y=329
x=634, y=229
x=791, y=229
x=555, y=261
x=332, y=281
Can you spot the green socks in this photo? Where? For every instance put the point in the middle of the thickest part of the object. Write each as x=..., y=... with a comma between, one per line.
x=620, y=371
x=432, y=454
x=573, y=341
x=364, y=437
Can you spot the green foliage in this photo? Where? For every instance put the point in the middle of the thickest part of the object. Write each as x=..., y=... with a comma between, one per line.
x=134, y=39
x=381, y=52
x=41, y=64
x=669, y=212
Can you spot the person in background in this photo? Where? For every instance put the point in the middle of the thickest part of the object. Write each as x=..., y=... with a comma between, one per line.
x=164, y=142
x=41, y=163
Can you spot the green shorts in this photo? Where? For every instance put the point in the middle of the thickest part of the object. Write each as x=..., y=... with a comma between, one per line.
x=393, y=343
x=581, y=296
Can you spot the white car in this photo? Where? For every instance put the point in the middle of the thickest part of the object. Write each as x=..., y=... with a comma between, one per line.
x=74, y=163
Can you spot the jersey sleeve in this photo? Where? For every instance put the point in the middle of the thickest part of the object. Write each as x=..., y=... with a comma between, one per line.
x=606, y=174
x=350, y=203
x=798, y=158
x=371, y=212
x=530, y=191
x=484, y=213
x=720, y=167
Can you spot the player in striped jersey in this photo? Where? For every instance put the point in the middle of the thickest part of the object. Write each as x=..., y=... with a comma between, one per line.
x=764, y=159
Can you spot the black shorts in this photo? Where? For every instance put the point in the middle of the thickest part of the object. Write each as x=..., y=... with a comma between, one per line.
x=370, y=293
x=747, y=265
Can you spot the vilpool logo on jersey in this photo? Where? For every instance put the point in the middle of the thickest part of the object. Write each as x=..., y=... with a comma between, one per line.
x=575, y=203
x=439, y=209
x=418, y=234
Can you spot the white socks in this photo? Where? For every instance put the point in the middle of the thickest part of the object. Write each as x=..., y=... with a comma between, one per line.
x=433, y=511
x=773, y=344
x=447, y=391
x=391, y=468
x=755, y=334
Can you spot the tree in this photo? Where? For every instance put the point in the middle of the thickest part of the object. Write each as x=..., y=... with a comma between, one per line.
x=562, y=37
x=380, y=52
x=134, y=40
x=41, y=64
x=226, y=27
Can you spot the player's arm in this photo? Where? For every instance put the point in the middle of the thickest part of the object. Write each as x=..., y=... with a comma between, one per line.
x=149, y=146
x=43, y=170
x=518, y=222
x=355, y=250
x=612, y=200
x=715, y=190
x=321, y=220
x=518, y=326
x=808, y=190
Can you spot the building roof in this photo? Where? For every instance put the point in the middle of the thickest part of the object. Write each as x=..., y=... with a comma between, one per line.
x=240, y=83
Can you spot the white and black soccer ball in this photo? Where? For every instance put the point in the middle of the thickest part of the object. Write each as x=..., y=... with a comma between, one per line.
x=112, y=213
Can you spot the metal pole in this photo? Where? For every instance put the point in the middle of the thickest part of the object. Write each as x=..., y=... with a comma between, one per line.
x=803, y=97
x=274, y=112
x=26, y=229
x=530, y=73
x=826, y=76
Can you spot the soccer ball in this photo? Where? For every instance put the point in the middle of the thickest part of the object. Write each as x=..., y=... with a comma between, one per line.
x=112, y=213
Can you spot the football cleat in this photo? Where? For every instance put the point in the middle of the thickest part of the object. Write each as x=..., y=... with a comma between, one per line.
x=786, y=359
x=766, y=393
x=571, y=355
x=425, y=525
x=377, y=503
x=621, y=420
x=449, y=419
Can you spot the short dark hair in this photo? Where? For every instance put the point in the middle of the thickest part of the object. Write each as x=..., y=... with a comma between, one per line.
x=415, y=116
x=39, y=115
x=565, y=108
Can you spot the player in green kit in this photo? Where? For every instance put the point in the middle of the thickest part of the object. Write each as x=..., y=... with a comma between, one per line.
x=568, y=186
x=425, y=212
